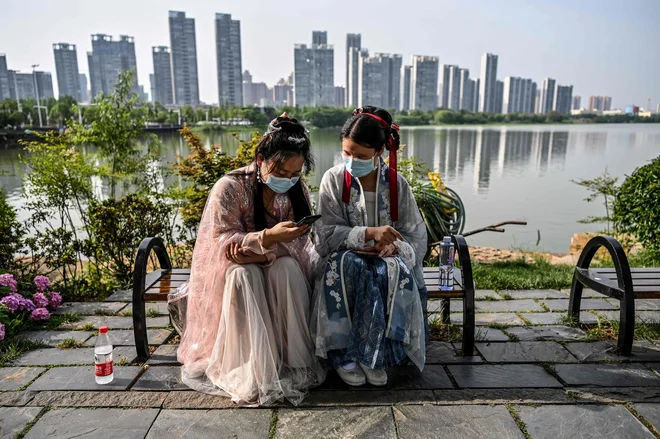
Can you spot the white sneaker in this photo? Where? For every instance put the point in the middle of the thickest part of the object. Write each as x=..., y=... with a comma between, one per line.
x=352, y=377
x=374, y=377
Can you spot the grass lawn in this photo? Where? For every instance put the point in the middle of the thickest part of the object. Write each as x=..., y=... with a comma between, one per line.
x=521, y=275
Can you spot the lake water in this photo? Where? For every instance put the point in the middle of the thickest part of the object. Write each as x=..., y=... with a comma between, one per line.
x=500, y=172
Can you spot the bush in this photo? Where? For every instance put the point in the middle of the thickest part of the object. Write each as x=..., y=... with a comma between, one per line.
x=11, y=234
x=119, y=225
x=19, y=309
x=637, y=205
x=203, y=168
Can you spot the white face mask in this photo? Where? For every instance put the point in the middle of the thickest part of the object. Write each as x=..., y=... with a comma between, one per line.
x=359, y=167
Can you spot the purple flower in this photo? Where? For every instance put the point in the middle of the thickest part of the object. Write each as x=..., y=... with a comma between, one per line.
x=40, y=314
x=27, y=304
x=42, y=283
x=12, y=302
x=55, y=299
x=2, y=332
x=7, y=280
x=40, y=300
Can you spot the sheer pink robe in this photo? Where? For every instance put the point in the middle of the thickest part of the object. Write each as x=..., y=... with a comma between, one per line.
x=246, y=327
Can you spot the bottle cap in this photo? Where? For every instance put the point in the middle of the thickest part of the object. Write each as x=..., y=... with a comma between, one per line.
x=103, y=330
x=447, y=239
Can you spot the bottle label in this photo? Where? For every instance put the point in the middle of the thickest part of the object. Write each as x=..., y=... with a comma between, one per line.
x=103, y=364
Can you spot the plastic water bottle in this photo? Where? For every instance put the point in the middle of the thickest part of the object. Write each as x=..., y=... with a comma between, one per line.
x=103, y=357
x=446, y=277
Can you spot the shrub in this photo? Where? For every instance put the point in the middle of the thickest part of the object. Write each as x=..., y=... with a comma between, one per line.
x=637, y=206
x=11, y=234
x=19, y=310
x=119, y=225
x=203, y=168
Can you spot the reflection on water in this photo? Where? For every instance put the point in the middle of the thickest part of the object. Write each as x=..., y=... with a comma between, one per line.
x=501, y=173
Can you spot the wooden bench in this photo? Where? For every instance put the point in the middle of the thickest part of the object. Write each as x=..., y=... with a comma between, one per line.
x=154, y=287
x=621, y=283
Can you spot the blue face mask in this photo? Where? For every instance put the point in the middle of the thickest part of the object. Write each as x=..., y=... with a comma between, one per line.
x=281, y=185
x=359, y=167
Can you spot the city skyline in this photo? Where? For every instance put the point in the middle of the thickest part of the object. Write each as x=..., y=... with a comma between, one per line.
x=589, y=66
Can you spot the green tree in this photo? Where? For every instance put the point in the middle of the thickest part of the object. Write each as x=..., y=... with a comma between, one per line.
x=11, y=234
x=636, y=208
x=605, y=187
x=115, y=129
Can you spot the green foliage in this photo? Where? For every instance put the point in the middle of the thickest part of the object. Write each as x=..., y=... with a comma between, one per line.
x=203, y=168
x=119, y=225
x=57, y=188
x=11, y=234
x=13, y=348
x=520, y=275
x=443, y=213
x=604, y=186
x=637, y=206
x=115, y=131
x=91, y=255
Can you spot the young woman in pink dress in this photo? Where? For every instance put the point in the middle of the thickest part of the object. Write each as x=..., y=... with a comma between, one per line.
x=246, y=332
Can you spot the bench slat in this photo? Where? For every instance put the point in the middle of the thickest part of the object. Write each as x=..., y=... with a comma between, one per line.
x=632, y=270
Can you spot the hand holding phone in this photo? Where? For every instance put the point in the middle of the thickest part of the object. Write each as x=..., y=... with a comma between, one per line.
x=308, y=220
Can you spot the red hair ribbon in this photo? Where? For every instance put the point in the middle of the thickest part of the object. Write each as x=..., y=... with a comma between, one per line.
x=394, y=191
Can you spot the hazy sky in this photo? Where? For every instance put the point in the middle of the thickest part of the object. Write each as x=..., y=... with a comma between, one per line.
x=602, y=47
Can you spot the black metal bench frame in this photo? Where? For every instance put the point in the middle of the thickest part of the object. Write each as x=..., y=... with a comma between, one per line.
x=143, y=281
x=463, y=289
x=623, y=289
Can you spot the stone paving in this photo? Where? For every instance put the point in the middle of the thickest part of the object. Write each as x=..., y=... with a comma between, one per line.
x=530, y=377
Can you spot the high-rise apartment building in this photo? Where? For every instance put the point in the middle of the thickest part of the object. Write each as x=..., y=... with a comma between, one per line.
x=577, y=101
x=66, y=68
x=319, y=37
x=183, y=72
x=600, y=103
x=371, y=79
x=547, y=95
x=466, y=91
x=450, y=96
x=340, y=96
x=499, y=96
x=562, y=99
x=353, y=41
x=488, y=85
x=476, y=86
x=4, y=78
x=537, y=102
x=406, y=72
x=30, y=85
x=424, y=83
x=283, y=92
x=230, y=65
x=108, y=59
x=84, y=92
x=386, y=82
x=255, y=93
x=314, y=74
x=353, y=86
x=162, y=85
x=519, y=95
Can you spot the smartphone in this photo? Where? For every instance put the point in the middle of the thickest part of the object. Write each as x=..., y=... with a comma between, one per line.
x=367, y=254
x=308, y=220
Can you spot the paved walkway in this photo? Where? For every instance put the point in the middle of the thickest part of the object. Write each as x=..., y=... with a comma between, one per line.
x=531, y=378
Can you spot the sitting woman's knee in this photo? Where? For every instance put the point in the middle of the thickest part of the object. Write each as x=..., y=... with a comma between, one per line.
x=285, y=262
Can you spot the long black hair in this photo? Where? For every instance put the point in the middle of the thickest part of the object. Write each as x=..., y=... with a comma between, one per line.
x=368, y=131
x=285, y=138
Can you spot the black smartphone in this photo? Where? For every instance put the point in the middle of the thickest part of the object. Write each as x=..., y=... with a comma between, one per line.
x=308, y=220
